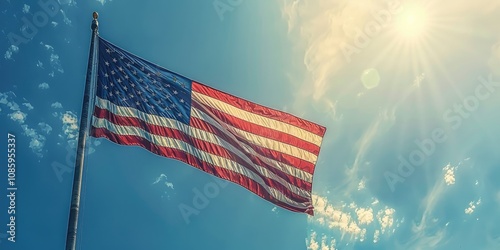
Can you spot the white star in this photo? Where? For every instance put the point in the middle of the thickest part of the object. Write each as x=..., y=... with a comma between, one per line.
x=105, y=87
x=121, y=57
x=134, y=72
x=182, y=100
x=175, y=92
x=126, y=77
x=107, y=63
x=125, y=88
x=128, y=64
x=114, y=60
x=119, y=80
x=148, y=74
x=142, y=68
x=131, y=96
x=117, y=92
x=109, y=51
x=111, y=84
x=110, y=93
x=139, y=92
x=120, y=68
x=113, y=72
x=133, y=85
x=154, y=80
x=179, y=115
x=140, y=80
x=137, y=103
x=106, y=75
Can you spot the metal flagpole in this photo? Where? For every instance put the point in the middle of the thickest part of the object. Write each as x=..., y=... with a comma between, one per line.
x=82, y=136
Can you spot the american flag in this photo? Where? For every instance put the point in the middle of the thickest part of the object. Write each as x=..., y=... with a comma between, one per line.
x=269, y=152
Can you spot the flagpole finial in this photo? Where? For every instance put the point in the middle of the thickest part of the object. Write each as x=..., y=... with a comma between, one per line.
x=95, y=24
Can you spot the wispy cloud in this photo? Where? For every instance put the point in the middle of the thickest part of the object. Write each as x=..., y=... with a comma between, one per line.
x=322, y=28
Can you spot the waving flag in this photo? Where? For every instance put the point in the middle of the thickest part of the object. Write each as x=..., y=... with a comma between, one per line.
x=269, y=152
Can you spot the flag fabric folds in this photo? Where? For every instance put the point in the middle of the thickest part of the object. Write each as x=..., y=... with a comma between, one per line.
x=269, y=152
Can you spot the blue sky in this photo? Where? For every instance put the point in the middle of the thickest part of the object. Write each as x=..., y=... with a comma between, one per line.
x=407, y=90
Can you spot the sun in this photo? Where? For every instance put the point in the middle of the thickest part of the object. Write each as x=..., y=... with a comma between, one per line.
x=412, y=22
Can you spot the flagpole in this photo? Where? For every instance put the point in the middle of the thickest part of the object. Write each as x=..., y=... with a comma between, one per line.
x=82, y=136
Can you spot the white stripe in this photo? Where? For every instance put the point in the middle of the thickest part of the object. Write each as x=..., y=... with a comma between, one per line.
x=293, y=171
x=198, y=134
x=257, y=119
x=202, y=155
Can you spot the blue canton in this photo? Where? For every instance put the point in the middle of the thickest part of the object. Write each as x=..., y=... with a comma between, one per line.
x=130, y=81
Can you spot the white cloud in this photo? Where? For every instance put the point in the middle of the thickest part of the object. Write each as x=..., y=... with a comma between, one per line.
x=56, y=63
x=26, y=8
x=11, y=50
x=18, y=116
x=472, y=206
x=365, y=215
x=313, y=244
x=37, y=141
x=163, y=178
x=362, y=184
x=43, y=85
x=56, y=105
x=376, y=236
x=65, y=18
x=386, y=219
x=67, y=2
x=45, y=127
x=28, y=105
x=5, y=99
x=353, y=222
x=449, y=174
x=54, y=24
x=70, y=125
x=39, y=64
x=103, y=1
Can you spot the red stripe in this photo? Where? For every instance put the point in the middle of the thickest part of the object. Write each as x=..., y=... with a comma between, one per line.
x=199, y=144
x=195, y=162
x=258, y=129
x=259, y=109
